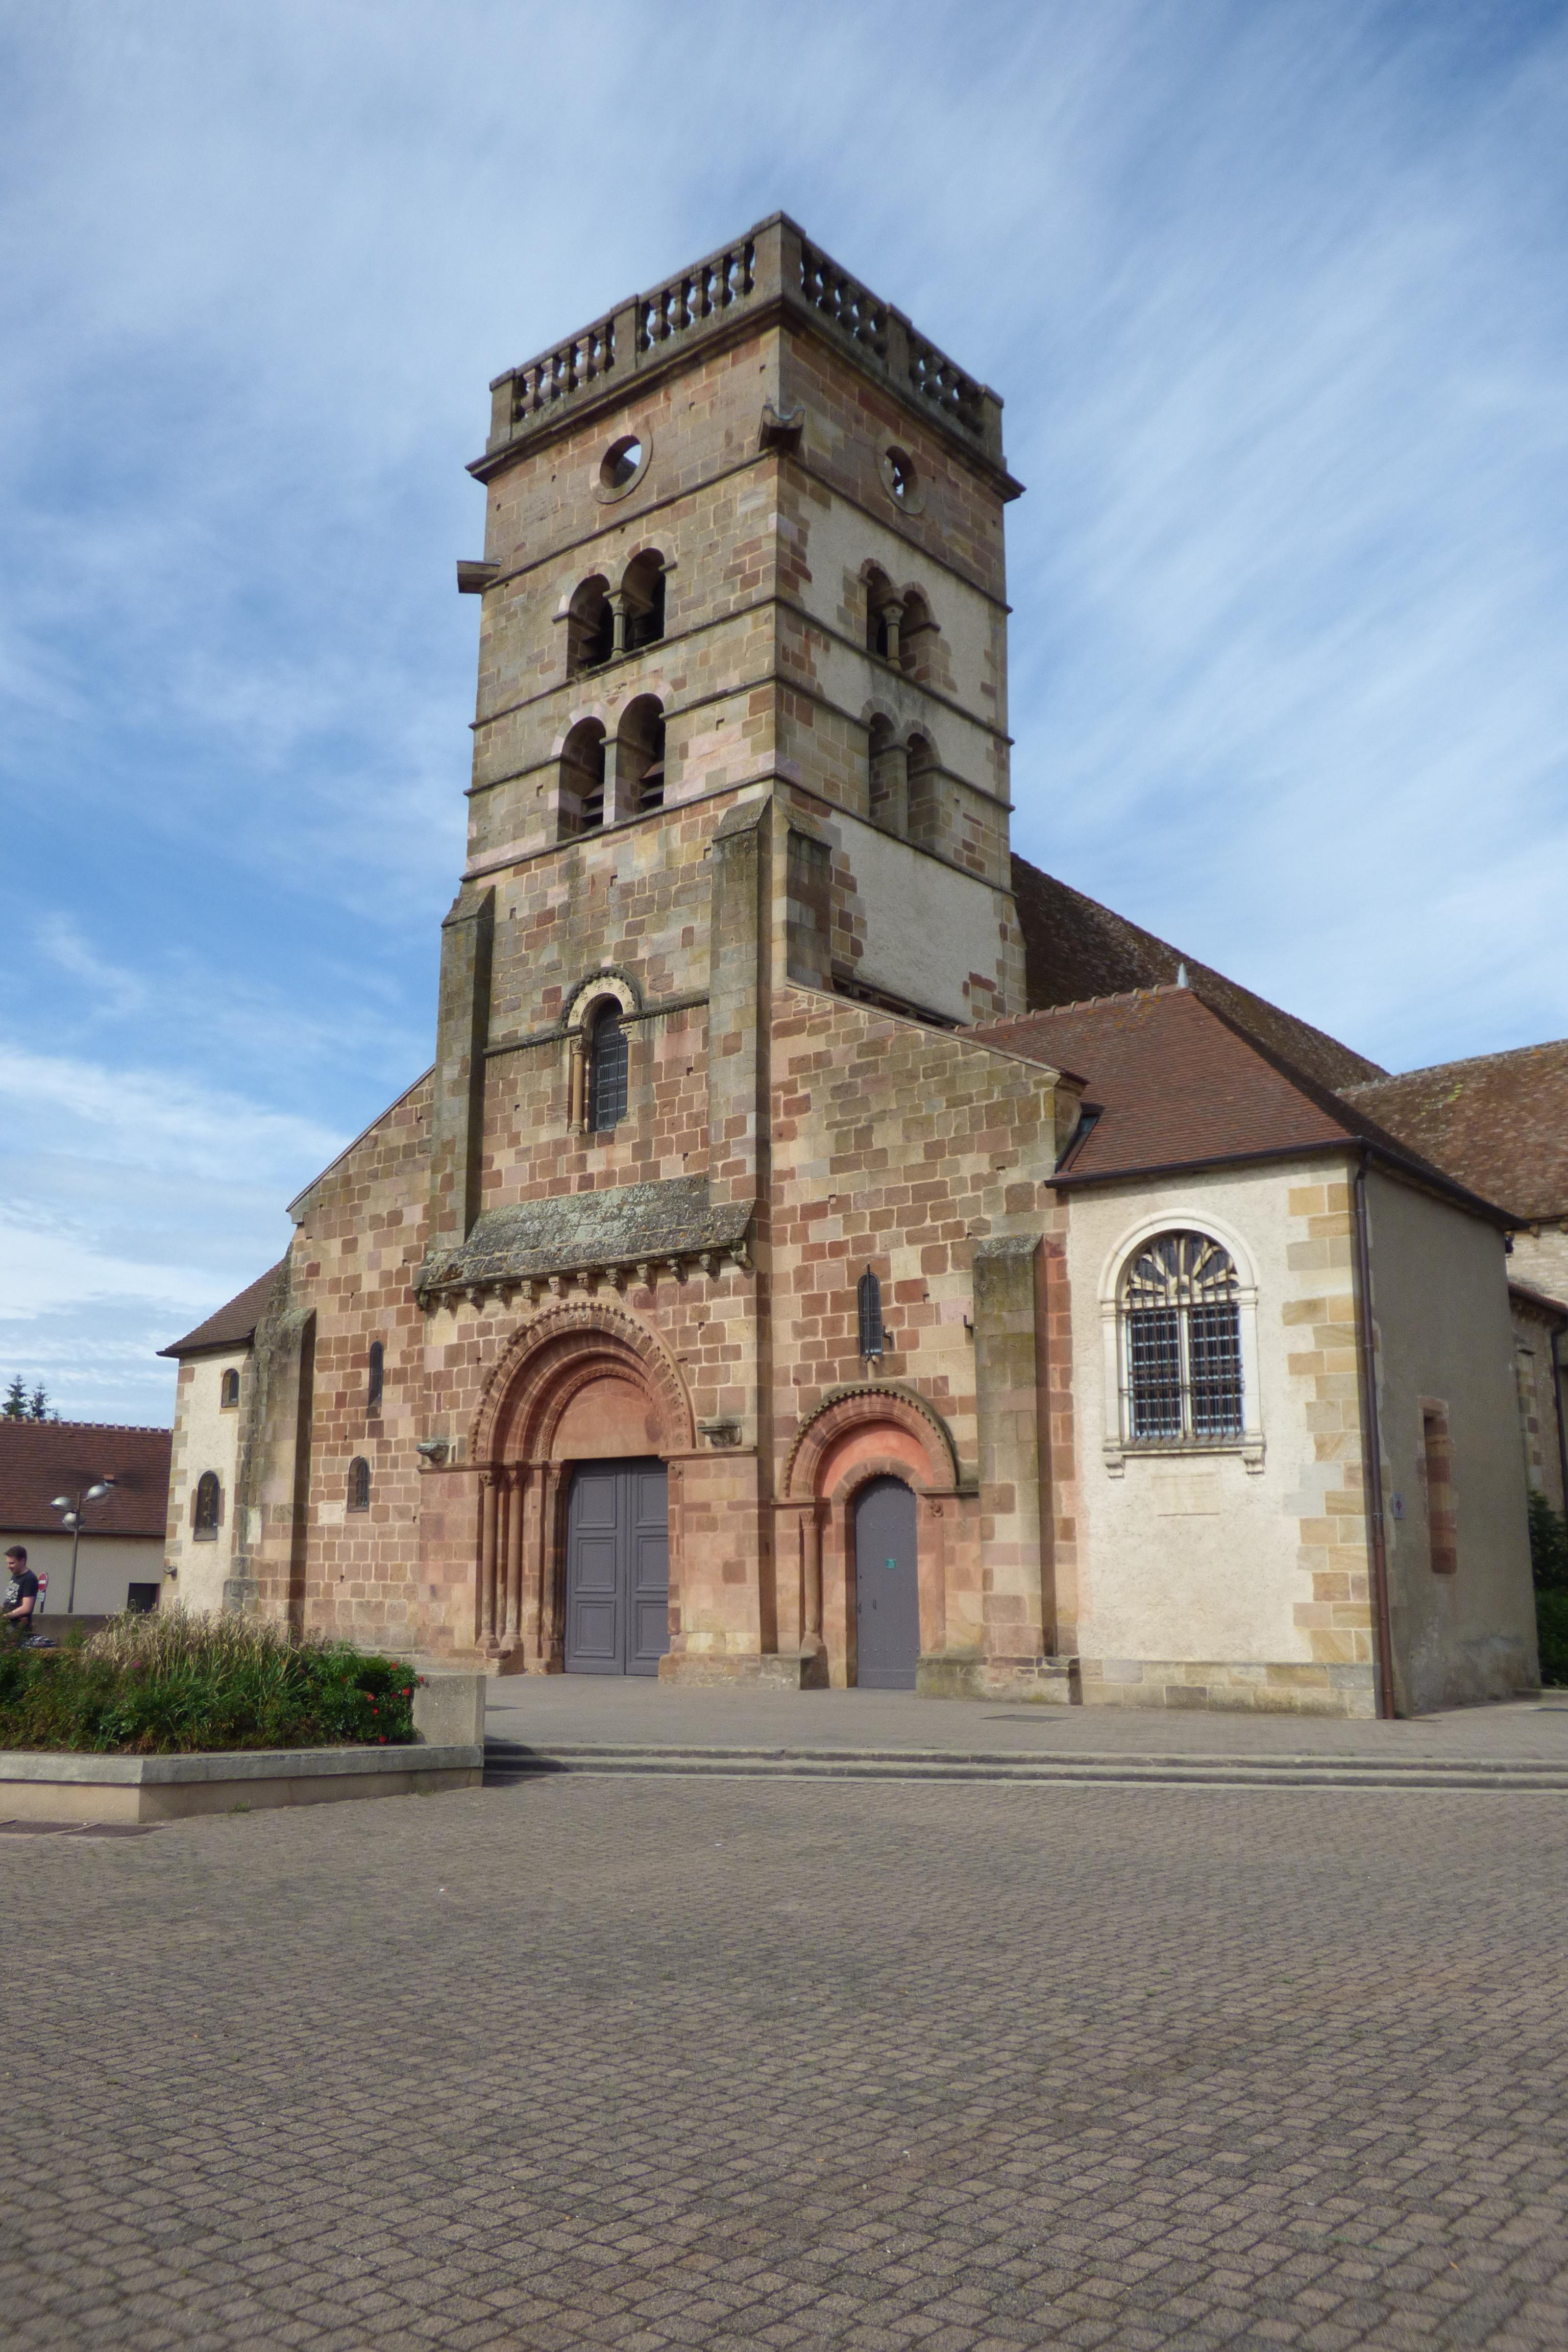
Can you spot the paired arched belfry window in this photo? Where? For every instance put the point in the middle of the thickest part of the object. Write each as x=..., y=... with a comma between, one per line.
x=207, y=1509
x=900, y=629
x=606, y=1091
x=604, y=622
x=1181, y=1341
x=377, y=1380
x=358, y=1484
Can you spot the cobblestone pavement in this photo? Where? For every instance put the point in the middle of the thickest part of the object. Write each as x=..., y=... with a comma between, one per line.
x=648, y=2063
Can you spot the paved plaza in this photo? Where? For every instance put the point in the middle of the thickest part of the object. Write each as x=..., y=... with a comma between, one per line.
x=641, y=2062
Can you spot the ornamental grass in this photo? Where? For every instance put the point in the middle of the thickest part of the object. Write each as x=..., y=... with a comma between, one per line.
x=167, y=1683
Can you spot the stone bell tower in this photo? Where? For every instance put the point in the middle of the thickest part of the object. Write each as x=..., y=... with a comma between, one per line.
x=743, y=540
x=740, y=741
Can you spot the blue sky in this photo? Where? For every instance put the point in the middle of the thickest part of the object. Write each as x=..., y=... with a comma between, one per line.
x=1275, y=295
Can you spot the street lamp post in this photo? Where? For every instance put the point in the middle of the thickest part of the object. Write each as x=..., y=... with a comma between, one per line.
x=72, y=1515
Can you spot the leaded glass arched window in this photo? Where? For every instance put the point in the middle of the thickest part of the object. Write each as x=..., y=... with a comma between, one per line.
x=606, y=1070
x=358, y=1484
x=1181, y=1341
x=208, y=1508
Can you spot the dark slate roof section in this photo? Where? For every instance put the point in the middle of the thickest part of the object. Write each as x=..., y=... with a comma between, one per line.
x=624, y=1226
x=1176, y=1085
x=1499, y=1122
x=1075, y=950
x=233, y=1326
x=41, y=1459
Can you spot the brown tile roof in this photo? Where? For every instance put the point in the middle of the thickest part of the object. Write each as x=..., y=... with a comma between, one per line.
x=1074, y=949
x=1176, y=1085
x=233, y=1326
x=41, y=1459
x=1539, y=1302
x=1498, y=1123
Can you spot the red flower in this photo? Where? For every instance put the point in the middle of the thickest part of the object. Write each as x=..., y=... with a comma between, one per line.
x=381, y=1738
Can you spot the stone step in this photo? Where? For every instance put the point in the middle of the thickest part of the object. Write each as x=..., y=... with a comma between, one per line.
x=508, y=1760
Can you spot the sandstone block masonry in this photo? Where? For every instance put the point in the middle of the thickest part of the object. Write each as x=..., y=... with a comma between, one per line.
x=720, y=1185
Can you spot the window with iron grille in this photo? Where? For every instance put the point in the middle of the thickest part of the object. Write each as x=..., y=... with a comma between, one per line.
x=1181, y=1348
x=608, y=1071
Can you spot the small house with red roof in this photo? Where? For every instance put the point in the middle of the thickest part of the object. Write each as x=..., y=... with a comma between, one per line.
x=120, y=1556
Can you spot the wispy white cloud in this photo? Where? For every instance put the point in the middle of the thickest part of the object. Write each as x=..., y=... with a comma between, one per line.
x=1276, y=299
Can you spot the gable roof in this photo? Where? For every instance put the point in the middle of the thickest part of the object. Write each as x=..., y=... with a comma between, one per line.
x=1177, y=1084
x=41, y=1459
x=1074, y=949
x=1499, y=1120
x=233, y=1326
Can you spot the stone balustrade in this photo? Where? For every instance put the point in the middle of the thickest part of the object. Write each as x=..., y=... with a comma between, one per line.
x=774, y=268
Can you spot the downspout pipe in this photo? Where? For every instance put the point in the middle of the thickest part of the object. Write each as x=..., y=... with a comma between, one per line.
x=1376, y=1531
x=1557, y=1401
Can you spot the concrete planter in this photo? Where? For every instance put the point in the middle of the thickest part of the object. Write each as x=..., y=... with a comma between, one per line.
x=449, y=1715
x=63, y=1787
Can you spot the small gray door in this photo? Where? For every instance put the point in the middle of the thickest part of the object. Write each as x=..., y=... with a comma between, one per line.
x=887, y=1587
x=617, y=1568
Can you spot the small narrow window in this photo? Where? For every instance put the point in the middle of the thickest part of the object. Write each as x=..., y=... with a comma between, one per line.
x=1181, y=1322
x=1437, y=1462
x=868, y=1300
x=228, y=1390
x=207, y=1510
x=358, y=1484
x=606, y=1071
x=377, y=1375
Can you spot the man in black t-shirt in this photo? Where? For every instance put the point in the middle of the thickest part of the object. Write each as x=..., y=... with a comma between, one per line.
x=21, y=1595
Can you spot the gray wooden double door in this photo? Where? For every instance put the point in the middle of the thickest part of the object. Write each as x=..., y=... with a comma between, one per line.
x=617, y=1568
x=887, y=1587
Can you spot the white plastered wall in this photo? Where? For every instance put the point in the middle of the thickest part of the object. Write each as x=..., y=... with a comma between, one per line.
x=1444, y=1333
x=927, y=926
x=207, y=1437
x=1196, y=1557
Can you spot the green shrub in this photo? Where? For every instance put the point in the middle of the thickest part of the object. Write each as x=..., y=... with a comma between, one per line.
x=165, y=1683
x=1549, y=1567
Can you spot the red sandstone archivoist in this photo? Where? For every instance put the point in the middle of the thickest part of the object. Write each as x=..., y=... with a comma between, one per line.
x=750, y=1021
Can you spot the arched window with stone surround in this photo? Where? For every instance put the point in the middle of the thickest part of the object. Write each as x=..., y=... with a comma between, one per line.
x=590, y=626
x=358, y=1484
x=582, y=789
x=883, y=609
x=606, y=1076
x=1181, y=1342
x=228, y=1390
x=917, y=638
x=207, y=1508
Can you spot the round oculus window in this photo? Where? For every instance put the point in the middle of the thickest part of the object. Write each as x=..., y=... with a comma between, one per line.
x=622, y=460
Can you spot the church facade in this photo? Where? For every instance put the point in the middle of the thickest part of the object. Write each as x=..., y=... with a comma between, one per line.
x=818, y=1254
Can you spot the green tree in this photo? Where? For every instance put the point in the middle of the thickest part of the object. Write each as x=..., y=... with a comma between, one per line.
x=39, y=1407
x=16, y=1405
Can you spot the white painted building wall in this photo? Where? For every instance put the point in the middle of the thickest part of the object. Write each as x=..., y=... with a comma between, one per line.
x=207, y=1437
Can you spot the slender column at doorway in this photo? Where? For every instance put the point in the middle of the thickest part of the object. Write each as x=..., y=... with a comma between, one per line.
x=811, y=1538
x=517, y=1490
x=491, y=1498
